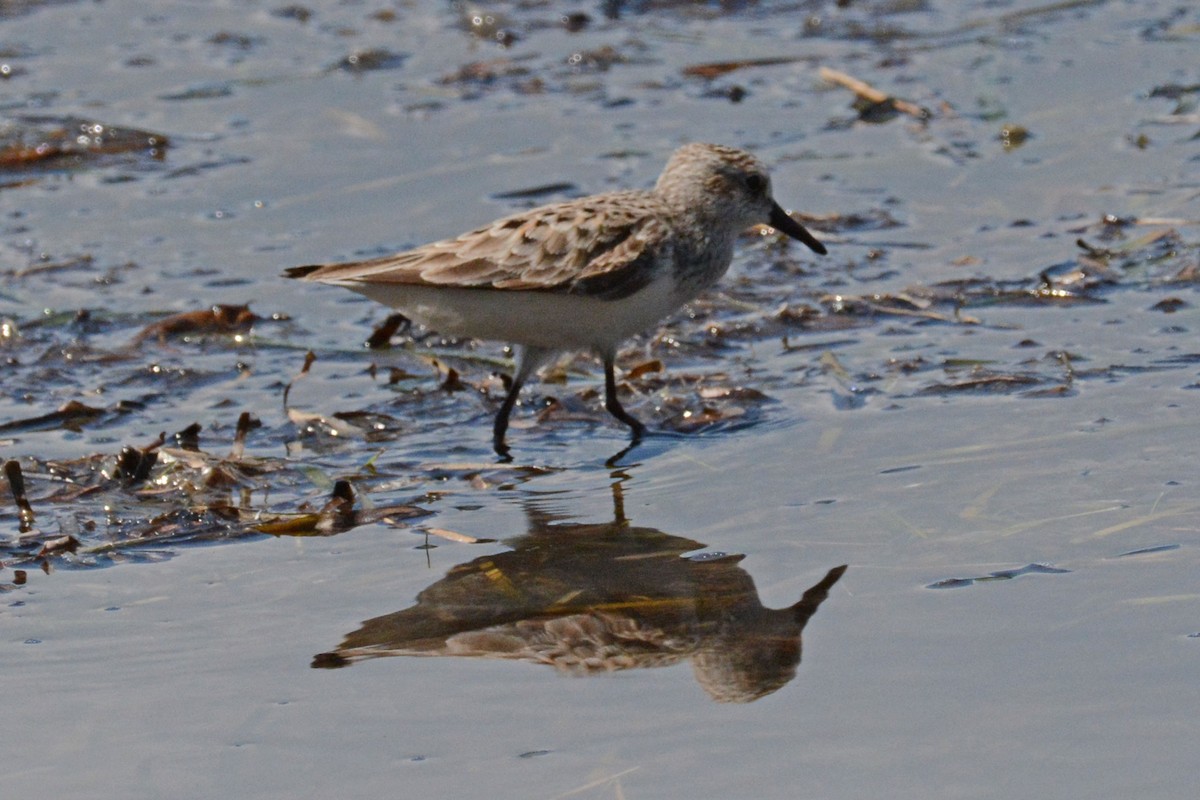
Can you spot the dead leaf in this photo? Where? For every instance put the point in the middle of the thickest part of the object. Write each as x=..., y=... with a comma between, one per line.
x=63, y=544
x=1169, y=305
x=218, y=319
x=71, y=416
x=382, y=336
x=645, y=368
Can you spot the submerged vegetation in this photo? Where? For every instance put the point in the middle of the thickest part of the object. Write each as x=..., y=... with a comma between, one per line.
x=253, y=473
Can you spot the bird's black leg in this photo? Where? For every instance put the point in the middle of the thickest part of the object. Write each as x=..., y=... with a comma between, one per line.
x=614, y=405
x=501, y=424
x=529, y=359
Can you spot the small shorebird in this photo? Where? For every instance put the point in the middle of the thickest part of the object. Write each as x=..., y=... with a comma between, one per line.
x=584, y=274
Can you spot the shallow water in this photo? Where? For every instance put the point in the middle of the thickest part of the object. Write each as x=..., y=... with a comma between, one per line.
x=1008, y=475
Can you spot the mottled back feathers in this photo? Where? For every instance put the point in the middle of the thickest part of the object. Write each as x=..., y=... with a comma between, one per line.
x=604, y=241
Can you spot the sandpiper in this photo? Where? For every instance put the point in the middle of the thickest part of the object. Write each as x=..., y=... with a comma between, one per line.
x=583, y=274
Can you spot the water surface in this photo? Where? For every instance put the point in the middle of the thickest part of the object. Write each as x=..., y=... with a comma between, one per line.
x=983, y=402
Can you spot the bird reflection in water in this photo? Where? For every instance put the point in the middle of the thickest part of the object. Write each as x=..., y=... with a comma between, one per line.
x=598, y=598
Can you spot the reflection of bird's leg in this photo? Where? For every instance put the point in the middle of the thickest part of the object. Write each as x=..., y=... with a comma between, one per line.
x=618, y=496
x=812, y=599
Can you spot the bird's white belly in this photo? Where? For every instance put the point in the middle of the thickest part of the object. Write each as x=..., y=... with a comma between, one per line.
x=540, y=319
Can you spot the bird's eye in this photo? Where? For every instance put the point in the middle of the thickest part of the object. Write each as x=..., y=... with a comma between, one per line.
x=757, y=184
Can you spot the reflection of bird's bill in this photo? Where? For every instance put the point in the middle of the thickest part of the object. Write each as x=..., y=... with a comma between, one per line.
x=812, y=599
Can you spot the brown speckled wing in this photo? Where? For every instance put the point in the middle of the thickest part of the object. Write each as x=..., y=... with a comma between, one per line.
x=606, y=245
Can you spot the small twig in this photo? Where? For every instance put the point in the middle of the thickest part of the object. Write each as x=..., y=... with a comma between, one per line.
x=871, y=94
x=309, y=358
x=16, y=484
x=716, y=69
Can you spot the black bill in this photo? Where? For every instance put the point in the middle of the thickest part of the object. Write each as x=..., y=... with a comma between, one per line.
x=780, y=221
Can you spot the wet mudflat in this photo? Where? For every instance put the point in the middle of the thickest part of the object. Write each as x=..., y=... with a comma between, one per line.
x=982, y=403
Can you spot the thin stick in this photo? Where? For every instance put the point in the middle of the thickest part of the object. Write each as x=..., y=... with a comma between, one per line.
x=870, y=93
